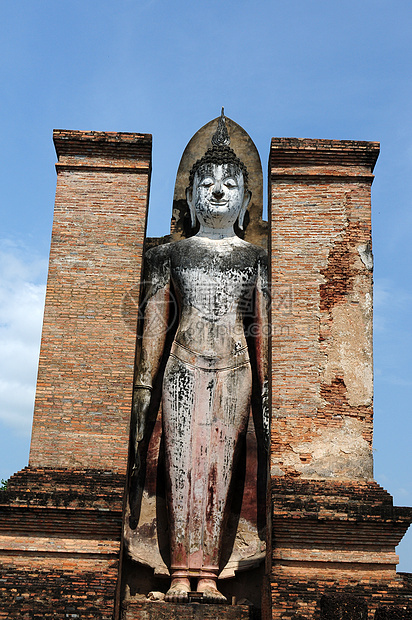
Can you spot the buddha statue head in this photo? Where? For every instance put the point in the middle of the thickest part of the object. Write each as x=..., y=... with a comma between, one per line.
x=217, y=194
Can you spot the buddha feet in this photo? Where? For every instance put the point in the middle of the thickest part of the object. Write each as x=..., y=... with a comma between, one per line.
x=180, y=588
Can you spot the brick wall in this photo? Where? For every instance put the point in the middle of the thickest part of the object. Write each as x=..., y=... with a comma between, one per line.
x=84, y=386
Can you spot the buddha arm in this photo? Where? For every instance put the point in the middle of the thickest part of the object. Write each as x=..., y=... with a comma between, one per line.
x=154, y=323
x=261, y=340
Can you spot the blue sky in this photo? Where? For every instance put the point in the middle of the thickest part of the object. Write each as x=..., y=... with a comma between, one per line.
x=303, y=68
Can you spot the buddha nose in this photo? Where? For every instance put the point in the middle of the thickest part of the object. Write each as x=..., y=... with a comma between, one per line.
x=217, y=190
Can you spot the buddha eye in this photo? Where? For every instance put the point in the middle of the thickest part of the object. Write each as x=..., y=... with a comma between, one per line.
x=207, y=182
x=230, y=183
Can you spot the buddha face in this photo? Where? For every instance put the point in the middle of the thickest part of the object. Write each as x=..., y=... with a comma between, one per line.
x=218, y=196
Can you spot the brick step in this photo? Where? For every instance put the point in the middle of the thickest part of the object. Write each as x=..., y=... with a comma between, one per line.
x=88, y=480
x=37, y=593
x=330, y=499
x=46, y=487
x=103, y=525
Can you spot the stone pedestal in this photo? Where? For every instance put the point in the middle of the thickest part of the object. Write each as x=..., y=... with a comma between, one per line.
x=191, y=611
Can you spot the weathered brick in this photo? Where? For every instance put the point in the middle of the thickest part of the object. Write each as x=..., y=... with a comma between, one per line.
x=322, y=307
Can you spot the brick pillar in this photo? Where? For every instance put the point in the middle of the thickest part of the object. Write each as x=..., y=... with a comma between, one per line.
x=322, y=307
x=84, y=386
x=334, y=530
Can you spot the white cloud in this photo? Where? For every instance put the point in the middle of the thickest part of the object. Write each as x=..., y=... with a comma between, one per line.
x=387, y=293
x=390, y=302
x=22, y=290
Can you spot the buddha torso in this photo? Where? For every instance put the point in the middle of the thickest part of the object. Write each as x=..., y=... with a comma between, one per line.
x=214, y=282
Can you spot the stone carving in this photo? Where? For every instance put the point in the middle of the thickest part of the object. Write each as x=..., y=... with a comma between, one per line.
x=218, y=353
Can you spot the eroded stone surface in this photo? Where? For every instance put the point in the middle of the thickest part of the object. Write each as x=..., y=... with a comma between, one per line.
x=337, y=452
x=349, y=354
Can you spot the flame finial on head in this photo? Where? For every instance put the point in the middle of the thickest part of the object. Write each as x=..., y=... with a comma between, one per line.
x=221, y=136
x=219, y=153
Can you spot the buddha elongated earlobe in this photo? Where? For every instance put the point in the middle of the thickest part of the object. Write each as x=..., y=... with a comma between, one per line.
x=189, y=199
x=192, y=217
x=245, y=205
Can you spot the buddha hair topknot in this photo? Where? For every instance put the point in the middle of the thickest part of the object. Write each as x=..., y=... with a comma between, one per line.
x=219, y=153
